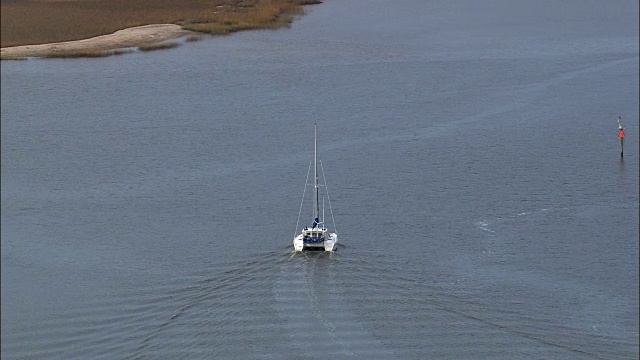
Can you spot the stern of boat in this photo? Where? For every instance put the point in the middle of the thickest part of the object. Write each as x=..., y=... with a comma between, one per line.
x=298, y=243
x=330, y=242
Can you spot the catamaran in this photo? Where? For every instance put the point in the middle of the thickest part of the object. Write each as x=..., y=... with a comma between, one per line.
x=316, y=237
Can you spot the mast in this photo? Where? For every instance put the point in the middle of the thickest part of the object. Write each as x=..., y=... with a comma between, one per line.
x=316, y=205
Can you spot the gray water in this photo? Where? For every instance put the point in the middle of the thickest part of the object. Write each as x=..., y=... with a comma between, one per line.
x=149, y=200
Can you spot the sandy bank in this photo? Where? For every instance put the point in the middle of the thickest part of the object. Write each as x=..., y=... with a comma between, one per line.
x=131, y=37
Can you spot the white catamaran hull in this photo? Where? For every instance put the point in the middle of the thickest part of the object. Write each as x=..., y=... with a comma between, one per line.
x=328, y=244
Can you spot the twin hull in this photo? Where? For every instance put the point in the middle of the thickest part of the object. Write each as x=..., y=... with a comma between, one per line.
x=315, y=239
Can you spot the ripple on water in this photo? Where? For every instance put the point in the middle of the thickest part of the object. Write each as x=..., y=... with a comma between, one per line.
x=309, y=305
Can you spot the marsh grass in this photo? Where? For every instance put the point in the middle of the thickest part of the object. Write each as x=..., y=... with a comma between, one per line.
x=87, y=53
x=80, y=54
x=47, y=21
x=193, y=38
x=14, y=58
x=158, y=46
x=122, y=51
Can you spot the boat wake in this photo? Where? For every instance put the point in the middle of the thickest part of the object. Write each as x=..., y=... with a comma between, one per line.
x=309, y=298
x=290, y=305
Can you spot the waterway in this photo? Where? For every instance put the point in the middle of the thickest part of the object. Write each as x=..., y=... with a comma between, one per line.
x=149, y=200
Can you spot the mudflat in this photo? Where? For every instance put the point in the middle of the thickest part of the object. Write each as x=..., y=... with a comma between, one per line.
x=79, y=28
x=131, y=37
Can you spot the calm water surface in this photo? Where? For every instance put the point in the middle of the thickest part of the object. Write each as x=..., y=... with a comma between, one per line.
x=149, y=201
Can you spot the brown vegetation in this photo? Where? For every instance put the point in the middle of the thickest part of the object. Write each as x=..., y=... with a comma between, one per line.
x=158, y=46
x=27, y=22
x=80, y=54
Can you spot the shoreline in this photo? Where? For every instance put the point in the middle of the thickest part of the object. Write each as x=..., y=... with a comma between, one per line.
x=121, y=39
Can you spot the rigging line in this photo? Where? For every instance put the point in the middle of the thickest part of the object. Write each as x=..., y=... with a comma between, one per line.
x=328, y=198
x=302, y=202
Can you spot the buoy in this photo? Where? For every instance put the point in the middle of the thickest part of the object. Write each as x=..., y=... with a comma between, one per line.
x=621, y=136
